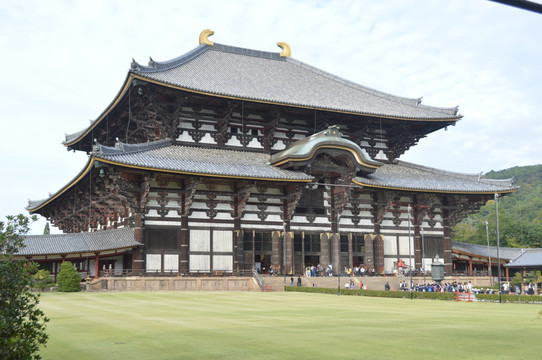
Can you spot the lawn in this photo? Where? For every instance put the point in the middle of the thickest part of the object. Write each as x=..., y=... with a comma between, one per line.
x=246, y=325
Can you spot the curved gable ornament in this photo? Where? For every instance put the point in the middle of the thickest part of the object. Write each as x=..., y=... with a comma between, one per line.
x=286, y=49
x=204, y=37
x=330, y=141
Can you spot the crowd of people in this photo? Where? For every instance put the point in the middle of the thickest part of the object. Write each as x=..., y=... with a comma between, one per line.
x=319, y=270
x=435, y=287
x=465, y=287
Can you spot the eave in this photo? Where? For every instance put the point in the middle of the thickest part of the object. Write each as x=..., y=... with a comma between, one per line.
x=433, y=190
x=94, y=160
x=132, y=76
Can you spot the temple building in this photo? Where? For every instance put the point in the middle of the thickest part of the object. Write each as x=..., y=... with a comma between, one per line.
x=226, y=160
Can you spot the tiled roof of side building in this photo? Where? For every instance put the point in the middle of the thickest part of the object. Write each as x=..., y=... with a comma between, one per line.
x=528, y=258
x=267, y=77
x=481, y=250
x=408, y=176
x=78, y=242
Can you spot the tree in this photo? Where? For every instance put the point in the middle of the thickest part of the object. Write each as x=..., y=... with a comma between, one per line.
x=22, y=323
x=46, y=230
x=42, y=279
x=68, y=278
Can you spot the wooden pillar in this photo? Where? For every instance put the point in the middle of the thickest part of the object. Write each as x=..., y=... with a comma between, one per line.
x=236, y=242
x=325, y=258
x=369, y=252
x=289, y=251
x=289, y=267
x=523, y=281
x=276, y=245
x=470, y=267
x=507, y=276
x=335, y=242
x=378, y=248
x=350, y=252
x=97, y=265
x=138, y=258
x=303, y=252
x=184, y=246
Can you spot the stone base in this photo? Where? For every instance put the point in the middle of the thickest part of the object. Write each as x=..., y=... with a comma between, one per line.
x=136, y=283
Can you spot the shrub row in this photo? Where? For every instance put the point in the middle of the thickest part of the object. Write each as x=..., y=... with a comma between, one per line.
x=523, y=299
x=374, y=293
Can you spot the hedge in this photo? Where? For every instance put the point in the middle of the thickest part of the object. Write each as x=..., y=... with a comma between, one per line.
x=521, y=299
x=374, y=293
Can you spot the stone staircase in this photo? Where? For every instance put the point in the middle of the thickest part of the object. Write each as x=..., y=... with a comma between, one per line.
x=370, y=283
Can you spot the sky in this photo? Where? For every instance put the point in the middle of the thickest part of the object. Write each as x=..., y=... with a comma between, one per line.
x=63, y=62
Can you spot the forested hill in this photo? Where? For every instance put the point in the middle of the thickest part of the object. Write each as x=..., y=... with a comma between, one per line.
x=520, y=213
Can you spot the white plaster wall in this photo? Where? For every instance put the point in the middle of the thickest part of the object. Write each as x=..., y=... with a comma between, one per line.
x=403, y=245
x=388, y=267
x=184, y=137
x=390, y=245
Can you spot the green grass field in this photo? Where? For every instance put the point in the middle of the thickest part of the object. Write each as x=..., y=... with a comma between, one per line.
x=239, y=325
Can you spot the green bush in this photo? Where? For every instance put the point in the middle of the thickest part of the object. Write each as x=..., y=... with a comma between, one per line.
x=68, y=278
x=42, y=279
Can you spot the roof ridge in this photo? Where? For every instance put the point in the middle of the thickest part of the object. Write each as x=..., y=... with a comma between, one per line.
x=155, y=66
x=125, y=148
x=476, y=177
x=439, y=171
x=247, y=52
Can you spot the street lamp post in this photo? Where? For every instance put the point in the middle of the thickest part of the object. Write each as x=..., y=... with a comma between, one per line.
x=498, y=255
x=423, y=256
x=410, y=253
x=489, y=256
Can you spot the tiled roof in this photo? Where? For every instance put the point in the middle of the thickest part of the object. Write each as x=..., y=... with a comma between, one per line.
x=163, y=155
x=407, y=176
x=528, y=258
x=505, y=253
x=264, y=76
x=78, y=242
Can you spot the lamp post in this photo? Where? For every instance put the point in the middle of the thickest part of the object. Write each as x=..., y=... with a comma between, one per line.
x=423, y=256
x=489, y=256
x=498, y=255
x=410, y=254
x=284, y=252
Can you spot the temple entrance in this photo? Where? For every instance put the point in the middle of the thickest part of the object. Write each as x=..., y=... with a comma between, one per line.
x=312, y=260
x=262, y=263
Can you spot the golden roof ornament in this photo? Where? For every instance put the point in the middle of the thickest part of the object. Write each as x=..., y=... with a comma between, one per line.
x=286, y=50
x=204, y=37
